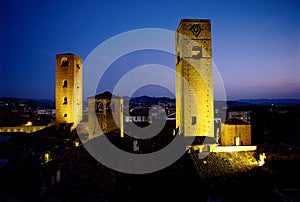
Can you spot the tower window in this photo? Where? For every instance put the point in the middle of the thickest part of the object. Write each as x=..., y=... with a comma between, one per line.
x=77, y=65
x=108, y=107
x=99, y=107
x=194, y=120
x=65, y=115
x=65, y=101
x=64, y=62
x=65, y=84
x=197, y=52
x=178, y=58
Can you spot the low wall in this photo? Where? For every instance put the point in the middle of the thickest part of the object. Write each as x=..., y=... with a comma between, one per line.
x=234, y=148
x=21, y=129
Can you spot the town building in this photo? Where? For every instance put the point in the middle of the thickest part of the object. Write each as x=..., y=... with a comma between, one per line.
x=235, y=132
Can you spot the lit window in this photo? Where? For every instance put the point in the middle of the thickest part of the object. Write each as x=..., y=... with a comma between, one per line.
x=65, y=84
x=65, y=101
x=196, y=52
x=64, y=62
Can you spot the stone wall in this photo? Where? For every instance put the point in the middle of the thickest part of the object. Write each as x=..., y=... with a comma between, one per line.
x=194, y=85
x=21, y=129
x=229, y=133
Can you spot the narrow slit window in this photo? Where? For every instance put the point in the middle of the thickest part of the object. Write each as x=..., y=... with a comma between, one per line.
x=194, y=120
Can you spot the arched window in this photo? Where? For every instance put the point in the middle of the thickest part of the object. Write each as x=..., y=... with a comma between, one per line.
x=108, y=107
x=65, y=101
x=65, y=83
x=64, y=62
x=197, y=52
x=99, y=107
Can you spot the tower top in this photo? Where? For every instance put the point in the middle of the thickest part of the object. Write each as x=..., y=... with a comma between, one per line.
x=65, y=54
x=194, y=29
x=194, y=20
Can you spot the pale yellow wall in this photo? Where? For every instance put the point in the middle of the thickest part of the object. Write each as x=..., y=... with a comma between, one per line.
x=229, y=132
x=194, y=84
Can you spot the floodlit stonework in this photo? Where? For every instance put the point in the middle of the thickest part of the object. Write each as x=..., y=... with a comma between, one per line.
x=235, y=132
x=68, y=90
x=194, y=83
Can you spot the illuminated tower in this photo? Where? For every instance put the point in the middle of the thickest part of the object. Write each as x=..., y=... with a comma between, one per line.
x=194, y=84
x=68, y=90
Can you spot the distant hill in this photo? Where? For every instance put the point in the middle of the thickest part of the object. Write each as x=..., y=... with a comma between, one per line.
x=280, y=102
x=146, y=99
x=33, y=103
x=46, y=103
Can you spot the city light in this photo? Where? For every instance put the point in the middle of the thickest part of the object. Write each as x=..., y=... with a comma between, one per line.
x=29, y=123
x=262, y=159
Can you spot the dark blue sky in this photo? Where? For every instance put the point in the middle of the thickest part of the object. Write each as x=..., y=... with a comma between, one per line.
x=256, y=44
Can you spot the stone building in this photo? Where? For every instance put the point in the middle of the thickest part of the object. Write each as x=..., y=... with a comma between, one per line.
x=105, y=114
x=68, y=90
x=235, y=132
x=194, y=84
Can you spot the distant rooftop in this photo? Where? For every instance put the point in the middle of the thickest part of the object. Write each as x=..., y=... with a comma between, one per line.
x=235, y=121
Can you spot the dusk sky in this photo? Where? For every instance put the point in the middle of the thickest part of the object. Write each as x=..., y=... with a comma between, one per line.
x=256, y=44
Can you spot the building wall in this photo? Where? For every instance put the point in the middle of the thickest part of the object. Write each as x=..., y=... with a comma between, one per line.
x=68, y=88
x=101, y=120
x=194, y=84
x=230, y=132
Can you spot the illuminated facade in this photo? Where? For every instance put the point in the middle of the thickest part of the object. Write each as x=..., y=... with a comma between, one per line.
x=105, y=114
x=235, y=132
x=194, y=84
x=68, y=90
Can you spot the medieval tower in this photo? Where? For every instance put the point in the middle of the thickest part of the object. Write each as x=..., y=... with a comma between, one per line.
x=194, y=84
x=68, y=90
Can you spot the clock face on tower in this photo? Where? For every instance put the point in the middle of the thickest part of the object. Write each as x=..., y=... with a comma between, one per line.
x=196, y=29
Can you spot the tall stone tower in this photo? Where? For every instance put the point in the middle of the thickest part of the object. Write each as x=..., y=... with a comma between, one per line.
x=68, y=90
x=105, y=114
x=194, y=84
